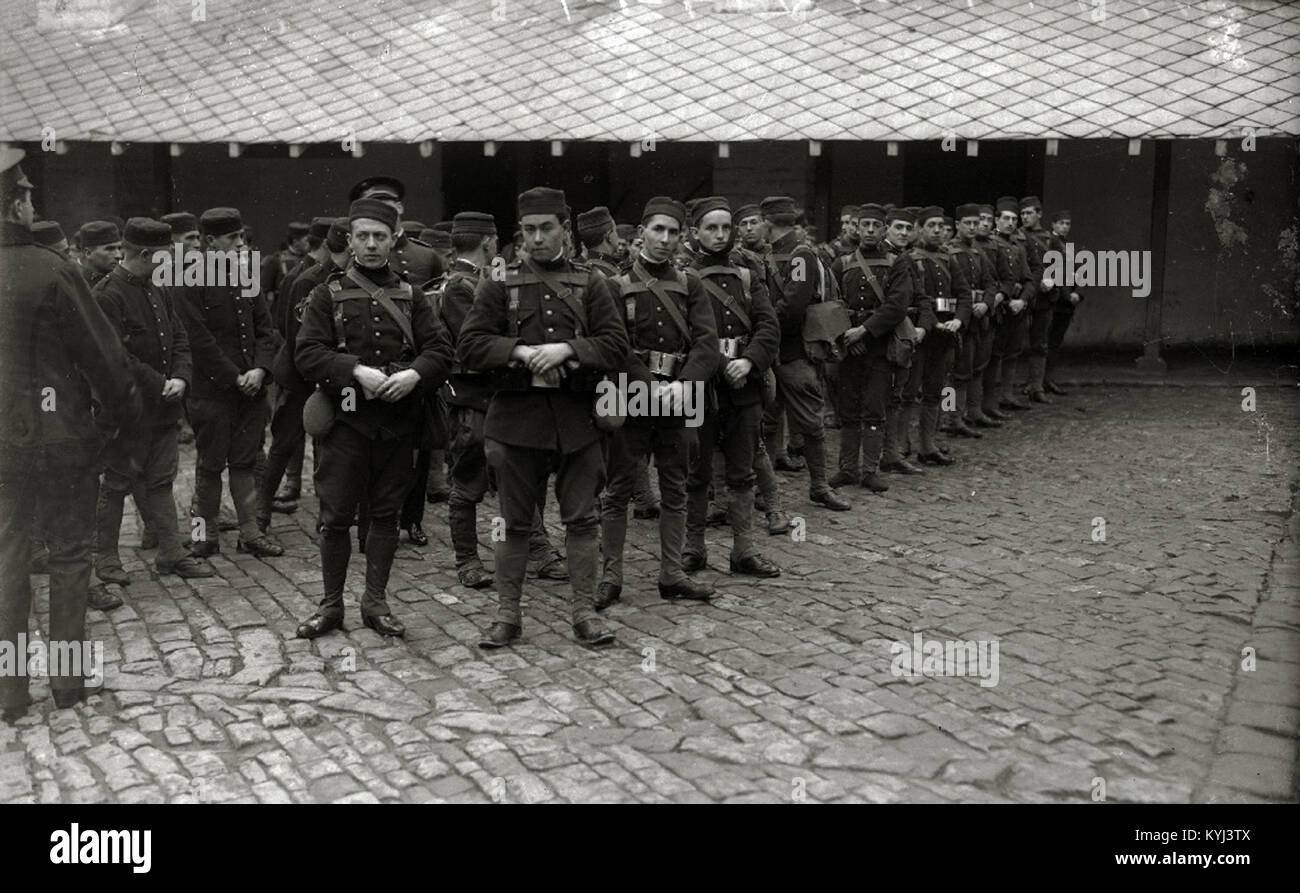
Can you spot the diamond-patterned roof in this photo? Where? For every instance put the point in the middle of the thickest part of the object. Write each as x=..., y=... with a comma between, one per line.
x=302, y=71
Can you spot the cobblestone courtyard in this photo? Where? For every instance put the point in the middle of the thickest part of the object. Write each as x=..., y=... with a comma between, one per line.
x=1120, y=662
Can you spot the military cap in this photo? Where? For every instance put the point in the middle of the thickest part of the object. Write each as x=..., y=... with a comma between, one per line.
x=1031, y=201
x=542, y=200
x=220, y=221
x=800, y=217
x=372, y=209
x=967, y=210
x=595, y=222
x=889, y=207
x=376, y=186
x=298, y=230
x=745, y=211
x=689, y=205
x=98, y=232
x=915, y=209
x=902, y=214
x=872, y=212
x=143, y=232
x=662, y=204
x=410, y=226
x=987, y=209
x=181, y=222
x=443, y=226
x=12, y=177
x=1058, y=216
x=707, y=206
x=852, y=210
x=48, y=232
x=320, y=227
x=426, y=235
x=474, y=223
x=1008, y=203
x=336, y=239
x=778, y=209
x=948, y=221
x=929, y=211
x=119, y=222
x=626, y=231
x=438, y=239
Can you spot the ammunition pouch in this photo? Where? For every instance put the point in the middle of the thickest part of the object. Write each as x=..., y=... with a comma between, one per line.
x=662, y=364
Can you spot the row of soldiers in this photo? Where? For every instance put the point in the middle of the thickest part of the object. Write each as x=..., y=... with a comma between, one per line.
x=388, y=348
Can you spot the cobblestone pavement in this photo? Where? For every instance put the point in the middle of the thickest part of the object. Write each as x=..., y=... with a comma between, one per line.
x=1120, y=663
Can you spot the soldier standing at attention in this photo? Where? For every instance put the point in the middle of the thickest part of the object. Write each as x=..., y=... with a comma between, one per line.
x=749, y=338
x=54, y=339
x=413, y=260
x=1019, y=288
x=371, y=344
x=101, y=248
x=968, y=372
x=555, y=322
x=983, y=410
x=1063, y=314
x=674, y=346
x=899, y=228
x=1037, y=242
x=185, y=230
x=233, y=348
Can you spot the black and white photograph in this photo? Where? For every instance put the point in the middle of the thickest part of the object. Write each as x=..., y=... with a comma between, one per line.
x=520, y=402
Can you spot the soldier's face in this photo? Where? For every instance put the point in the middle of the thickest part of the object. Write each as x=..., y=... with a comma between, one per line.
x=191, y=241
x=986, y=224
x=544, y=235
x=1061, y=228
x=869, y=231
x=751, y=231
x=848, y=227
x=371, y=241
x=103, y=258
x=714, y=231
x=23, y=209
x=228, y=242
x=491, y=246
x=661, y=234
x=932, y=232
x=299, y=245
x=948, y=232
x=969, y=227
x=900, y=232
x=1029, y=217
x=1007, y=222
x=800, y=232
x=61, y=246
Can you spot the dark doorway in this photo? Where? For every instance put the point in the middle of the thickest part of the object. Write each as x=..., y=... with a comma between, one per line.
x=1003, y=167
x=472, y=181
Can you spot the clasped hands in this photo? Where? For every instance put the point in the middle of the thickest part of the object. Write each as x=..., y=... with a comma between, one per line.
x=550, y=362
x=388, y=388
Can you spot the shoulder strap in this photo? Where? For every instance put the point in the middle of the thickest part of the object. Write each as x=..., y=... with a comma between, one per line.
x=657, y=288
x=559, y=285
x=379, y=295
x=869, y=276
x=721, y=295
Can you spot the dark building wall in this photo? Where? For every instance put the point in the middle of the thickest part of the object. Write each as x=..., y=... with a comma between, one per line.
x=1220, y=263
x=1109, y=194
x=755, y=170
x=74, y=187
x=857, y=173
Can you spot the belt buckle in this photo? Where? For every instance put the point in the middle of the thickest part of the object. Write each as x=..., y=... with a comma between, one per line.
x=943, y=305
x=730, y=347
x=662, y=364
x=540, y=382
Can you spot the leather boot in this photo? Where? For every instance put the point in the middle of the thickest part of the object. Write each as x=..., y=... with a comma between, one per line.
x=975, y=414
x=697, y=516
x=959, y=426
x=1049, y=376
x=929, y=429
x=992, y=386
x=819, y=491
x=1010, y=399
x=850, y=451
x=892, y=457
x=381, y=547
x=1037, y=367
x=462, y=523
x=108, y=526
x=873, y=442
x=740, y=514
x=335, y=552
x=582, y=550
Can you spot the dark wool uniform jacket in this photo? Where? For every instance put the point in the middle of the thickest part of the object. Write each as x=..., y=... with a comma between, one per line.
x=53, y=335
x=543, y=418
x=457, y=298
x=940, y=278
x=297, y=298
x=1037, y=242
x=792, y=296
x=764, y=333
x=862, y=301
x=229, y=335
x=1016, y=268
x=415, y=261
x=371, y=337
x=157, y=346
x=978, y=270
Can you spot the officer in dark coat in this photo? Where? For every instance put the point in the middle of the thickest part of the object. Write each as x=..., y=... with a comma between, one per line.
x=749, y=338
x=233, y=346
x=55, y=345
x=674, y=346
x=371, y=342
x=556, y=324
x=146, y=460
x=874, y=292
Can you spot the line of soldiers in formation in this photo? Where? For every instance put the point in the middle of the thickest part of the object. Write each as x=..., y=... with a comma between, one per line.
x=435, y=367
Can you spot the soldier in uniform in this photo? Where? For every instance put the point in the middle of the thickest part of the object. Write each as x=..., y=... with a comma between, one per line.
x=799, y=278
x=847, y=240
x=55, y=344
x=50, y=234
x=982, y=403
x=749, y=338
x=945, y=301
x=876, y=296
x=316, y=254
x=413, y=260
x=100, y=242
x=968, y=371
x=288, y=439
x=372, y=344
x=599, y=237
x=185, y=230
x=1063, y=314
x=1037, y=242
x=552, y=322
x=145, y=460
x=233, y=347
x=276, y=267
x=900, y=224
x=674, y=345
x=1020, y=289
